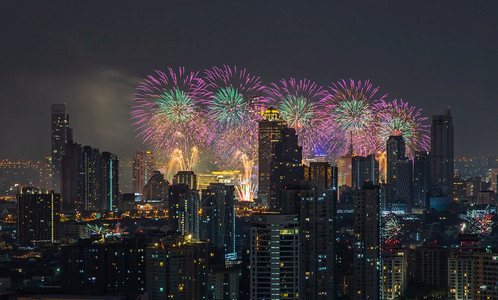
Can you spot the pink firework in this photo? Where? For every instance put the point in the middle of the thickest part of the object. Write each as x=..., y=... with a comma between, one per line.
x=350, y=109
x=398, y=118
x=166, y=112
x=297, y=103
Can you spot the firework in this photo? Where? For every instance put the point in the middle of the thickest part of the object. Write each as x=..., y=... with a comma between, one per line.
x=297, y=103
x=350, y=108
x=246, y=187
x=232, y=107
x=398, y=118
x=391, y=228
x=478, y=222
x=166, y=113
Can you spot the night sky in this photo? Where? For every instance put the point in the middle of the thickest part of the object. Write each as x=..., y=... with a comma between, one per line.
x=92, y=54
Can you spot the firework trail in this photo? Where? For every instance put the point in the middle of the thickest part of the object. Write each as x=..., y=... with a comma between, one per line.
x=297, y=103
x=478, y=222
x=233, y=108
x=246, y=186
x=166, y=114
x=391, y=228
x=398, y=118
x=350, y=108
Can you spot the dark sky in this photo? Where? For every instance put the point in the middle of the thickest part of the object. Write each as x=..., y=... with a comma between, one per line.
x=91, y=55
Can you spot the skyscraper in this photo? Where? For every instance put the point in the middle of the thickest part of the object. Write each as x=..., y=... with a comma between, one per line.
x=269, y=133
x=143, y=168
x=322, y=175
x=61, y=133
x=184, y=205
x=157, y=188
x=403, y=191
x=395, y=151
x=218, y=216
x=367, y=251
x=275, y=257
x=38, y=217
x=285, y=165
x=421, y=179
x=109, y=186
x=186, y=177
x=442, y=164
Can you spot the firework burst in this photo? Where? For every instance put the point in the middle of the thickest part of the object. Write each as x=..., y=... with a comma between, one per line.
x=350, y=108
x=478, y=222
x=297, y=103
x=391, y=228
x=232, y=106
x=398, y=118
x=166, y=113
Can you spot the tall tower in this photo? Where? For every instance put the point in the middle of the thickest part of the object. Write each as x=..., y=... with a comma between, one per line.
x=109, y=186
x=270, y=129
x=442, y=164
x=395, y=151
x=61, y=134
x=367, y=251
x=143, y=169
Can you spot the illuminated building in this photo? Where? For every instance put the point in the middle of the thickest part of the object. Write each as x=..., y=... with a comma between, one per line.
x=38, y=218
x=493, y=179
x=109, y=182
x=460, y=268
x=442, y=157
x=403, y=188
x=315, y=209
x=143, y=168
x=395, y=151
x=367, y=251
x=217, y=216
x=285, y=165
x=61, y=134
x=274, y=257
x=184, y=205
x=99, y=268
x=394, y=273
x=322, y=175
x=269, y=133
x=421, y=179
x=46, y=173
x=186, y=177
x=485, y=276
x=344, y=170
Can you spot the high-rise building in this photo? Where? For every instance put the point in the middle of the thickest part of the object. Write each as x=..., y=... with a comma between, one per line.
x=184, y=205
x=46, y=173
x=218, y=217
x=270, y=128
x=186, y=177
x=143, y=168
x=38, y=218
x=157, y=188
x=364, y=169
x=285, y=166
x=61, y=134
x=109, y=178
x=403, y=184
x=461, y=268
x=367, y=251
x=421, y=179
x=395, y=151
x=321, y=175
x=315, y=209
x=442, y=157
x=345, y=170
x=394, y=274
x=275, y=247
x=90, y=179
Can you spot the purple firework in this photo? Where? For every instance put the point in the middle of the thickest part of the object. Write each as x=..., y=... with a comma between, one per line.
x=297, y=103
x=166, y=111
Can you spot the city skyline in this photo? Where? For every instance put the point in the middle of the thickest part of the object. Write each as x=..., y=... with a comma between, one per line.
x=419, y=53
